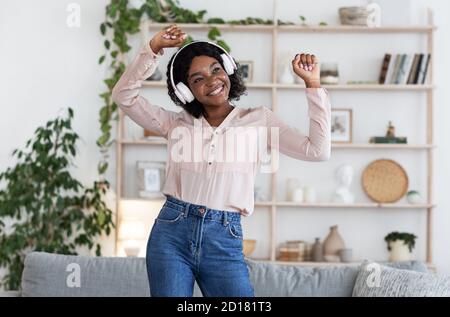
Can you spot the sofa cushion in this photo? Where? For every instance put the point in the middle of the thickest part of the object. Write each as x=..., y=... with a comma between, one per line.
x=375, y=280
x=57, y=275
x=271, y=280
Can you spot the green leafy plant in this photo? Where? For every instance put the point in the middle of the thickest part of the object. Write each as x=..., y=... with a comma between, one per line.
x=47, y=208
x=408, y=238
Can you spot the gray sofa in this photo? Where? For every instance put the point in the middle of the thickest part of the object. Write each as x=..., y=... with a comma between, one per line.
x=60, y=275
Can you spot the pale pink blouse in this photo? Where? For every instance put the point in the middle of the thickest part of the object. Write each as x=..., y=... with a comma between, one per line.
x=204, y=165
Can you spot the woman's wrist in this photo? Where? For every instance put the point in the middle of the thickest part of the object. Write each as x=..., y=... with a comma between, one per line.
x=154, y=48
x=312, y=84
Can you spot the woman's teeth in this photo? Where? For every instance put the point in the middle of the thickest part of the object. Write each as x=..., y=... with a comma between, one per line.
x=216, y=92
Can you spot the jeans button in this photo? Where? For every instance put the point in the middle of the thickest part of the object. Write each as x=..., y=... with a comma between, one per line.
x=202, y=210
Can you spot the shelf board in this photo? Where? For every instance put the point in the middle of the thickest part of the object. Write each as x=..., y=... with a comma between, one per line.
x=357, y=29
x=299, y=28
x=349, y=206
x=382, y=146
x=361, y=87
x=161, y=83
x=320, y=205
x=161, y=141
x=357, y=146
x=430, y=266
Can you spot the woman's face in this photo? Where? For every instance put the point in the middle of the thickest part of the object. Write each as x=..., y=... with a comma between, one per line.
x=208, y=81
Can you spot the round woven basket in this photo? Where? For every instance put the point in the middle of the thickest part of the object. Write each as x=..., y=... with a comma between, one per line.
x=385, y=181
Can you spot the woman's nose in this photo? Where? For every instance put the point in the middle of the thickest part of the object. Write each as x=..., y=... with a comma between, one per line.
x=211, y=80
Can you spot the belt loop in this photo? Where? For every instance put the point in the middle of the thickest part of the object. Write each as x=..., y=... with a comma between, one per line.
x=186, y=209
x=225, y=218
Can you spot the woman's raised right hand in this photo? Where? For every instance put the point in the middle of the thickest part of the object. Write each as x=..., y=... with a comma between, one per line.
x=171, y=36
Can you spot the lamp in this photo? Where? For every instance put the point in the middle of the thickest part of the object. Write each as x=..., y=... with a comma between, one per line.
x=130, y=231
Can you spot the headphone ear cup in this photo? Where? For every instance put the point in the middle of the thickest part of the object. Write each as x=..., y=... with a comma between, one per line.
x=184, y=93
x=228, y=64
x=179, y=96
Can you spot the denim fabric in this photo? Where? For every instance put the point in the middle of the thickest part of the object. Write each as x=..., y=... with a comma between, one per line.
x=190, y=242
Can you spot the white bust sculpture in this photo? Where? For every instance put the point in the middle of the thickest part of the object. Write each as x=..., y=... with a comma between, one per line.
x=344, y=176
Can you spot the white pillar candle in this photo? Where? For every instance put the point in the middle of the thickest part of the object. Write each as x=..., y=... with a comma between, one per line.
x=309, y=195
x=297, y=195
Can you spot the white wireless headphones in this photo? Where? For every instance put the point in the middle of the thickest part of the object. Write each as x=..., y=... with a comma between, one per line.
x=183, y=92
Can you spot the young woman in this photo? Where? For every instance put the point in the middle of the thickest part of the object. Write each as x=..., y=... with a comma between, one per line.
x=197, y=235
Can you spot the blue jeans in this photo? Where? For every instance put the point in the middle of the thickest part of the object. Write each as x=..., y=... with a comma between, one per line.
x=190, y=243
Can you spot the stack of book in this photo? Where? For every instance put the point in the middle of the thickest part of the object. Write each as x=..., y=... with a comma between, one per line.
x=404, y=69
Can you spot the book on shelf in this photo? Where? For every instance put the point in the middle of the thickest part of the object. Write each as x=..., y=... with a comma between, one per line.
x=423, y=69
x=384, y=68
x=404, y=69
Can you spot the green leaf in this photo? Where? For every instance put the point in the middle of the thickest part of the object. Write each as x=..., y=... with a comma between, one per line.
x=103, y=139
x=103, y=28
x=213, y=33
x=101, y=217
x=101, y=59
x=215, y=21
x=102, y=167
x=107, y=44
x=224, y=45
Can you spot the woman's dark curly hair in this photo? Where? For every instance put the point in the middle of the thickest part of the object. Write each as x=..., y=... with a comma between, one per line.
x=181, y=69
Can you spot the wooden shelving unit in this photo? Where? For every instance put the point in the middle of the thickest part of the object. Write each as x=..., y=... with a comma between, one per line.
x=274, y=206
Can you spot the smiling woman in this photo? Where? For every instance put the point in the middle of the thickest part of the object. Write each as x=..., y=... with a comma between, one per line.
x=197, y=235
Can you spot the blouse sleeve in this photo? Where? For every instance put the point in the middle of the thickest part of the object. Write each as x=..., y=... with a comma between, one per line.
x=316, y=146
x=127, y=96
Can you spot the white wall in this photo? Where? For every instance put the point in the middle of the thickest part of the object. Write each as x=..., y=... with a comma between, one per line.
x=47, y=66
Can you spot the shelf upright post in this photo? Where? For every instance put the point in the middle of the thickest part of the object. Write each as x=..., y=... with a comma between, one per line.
x=273, y=207
x=430, y=92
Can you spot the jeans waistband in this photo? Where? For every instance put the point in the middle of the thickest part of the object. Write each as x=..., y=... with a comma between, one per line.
x=202, y=211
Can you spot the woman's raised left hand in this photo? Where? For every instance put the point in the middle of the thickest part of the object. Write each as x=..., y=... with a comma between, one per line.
x=307, y=67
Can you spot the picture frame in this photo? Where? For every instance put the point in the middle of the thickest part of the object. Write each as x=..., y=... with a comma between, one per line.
x=341, y=125
x=246, y=70
x=151, y=179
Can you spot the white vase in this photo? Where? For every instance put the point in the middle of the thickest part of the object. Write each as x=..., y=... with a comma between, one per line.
x=287, y=77
x=291, y=185
x=391, y=12
x=399, y=251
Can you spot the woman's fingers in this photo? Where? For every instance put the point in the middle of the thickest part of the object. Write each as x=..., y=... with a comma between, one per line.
x=307, y=61
x=174, y=34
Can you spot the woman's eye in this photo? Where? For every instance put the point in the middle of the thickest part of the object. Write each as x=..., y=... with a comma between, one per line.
x=196, y=80
x=216, y=69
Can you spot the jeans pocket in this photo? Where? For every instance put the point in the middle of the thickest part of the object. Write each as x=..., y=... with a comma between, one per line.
x=235, y=230
x=169, y=215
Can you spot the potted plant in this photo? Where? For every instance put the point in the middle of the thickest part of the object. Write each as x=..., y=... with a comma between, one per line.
x=43, y=207
x=400, y=245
